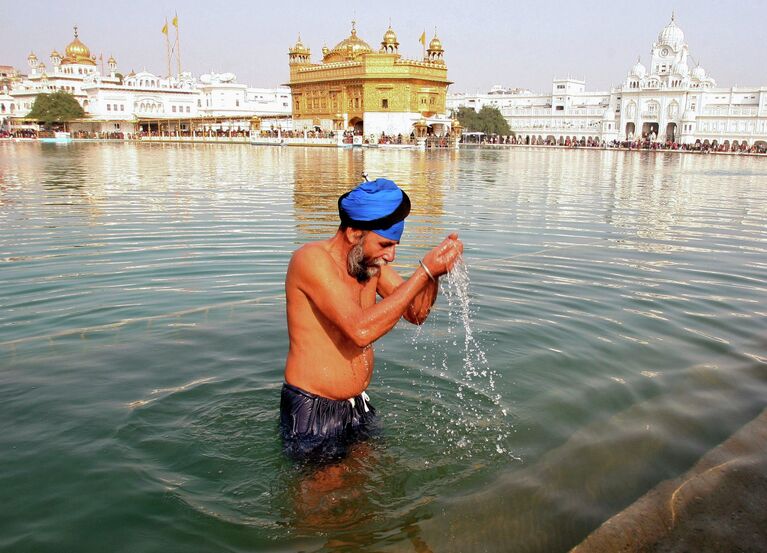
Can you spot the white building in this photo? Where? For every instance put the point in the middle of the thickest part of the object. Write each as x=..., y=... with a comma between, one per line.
x=121, y=104
x=666, y=101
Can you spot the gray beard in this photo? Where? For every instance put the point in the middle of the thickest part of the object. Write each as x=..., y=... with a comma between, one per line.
x=360, y=267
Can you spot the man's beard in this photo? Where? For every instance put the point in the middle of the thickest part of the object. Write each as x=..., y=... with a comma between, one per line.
x=360, y=267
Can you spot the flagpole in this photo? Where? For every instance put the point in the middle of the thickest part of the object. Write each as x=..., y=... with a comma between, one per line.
x=167, y=45
x=178, y=45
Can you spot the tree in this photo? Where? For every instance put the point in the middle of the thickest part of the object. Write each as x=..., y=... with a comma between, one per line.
x=58, y=107
x=489, y=121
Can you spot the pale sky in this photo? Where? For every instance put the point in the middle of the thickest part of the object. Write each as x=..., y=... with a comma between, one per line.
x=515, y=44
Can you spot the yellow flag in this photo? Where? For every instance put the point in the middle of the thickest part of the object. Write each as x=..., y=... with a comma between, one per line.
x=175, y=22
x=422, y=40
x=165, y=29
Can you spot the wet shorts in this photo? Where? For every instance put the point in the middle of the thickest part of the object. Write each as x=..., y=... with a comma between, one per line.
x=315, y=426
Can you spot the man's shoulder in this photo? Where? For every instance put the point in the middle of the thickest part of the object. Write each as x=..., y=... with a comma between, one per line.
x=311, y=252
x=310, y=260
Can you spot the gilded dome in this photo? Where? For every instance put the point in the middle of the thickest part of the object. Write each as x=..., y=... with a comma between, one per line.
x=77, y=49
x=349, y=48
x=55, y=54
x=671, y=35
x=112, y=60
x=390, y=37
x=77, y=52
x=435, y=44
x=299, y=48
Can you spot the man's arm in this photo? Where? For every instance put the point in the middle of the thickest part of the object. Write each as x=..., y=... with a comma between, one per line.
x=419, y=308
x=313, y=271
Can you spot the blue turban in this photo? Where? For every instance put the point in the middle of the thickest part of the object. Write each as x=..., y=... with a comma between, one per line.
x=379, y=205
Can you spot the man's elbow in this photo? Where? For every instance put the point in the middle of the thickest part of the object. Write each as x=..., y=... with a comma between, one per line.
x=361, y=337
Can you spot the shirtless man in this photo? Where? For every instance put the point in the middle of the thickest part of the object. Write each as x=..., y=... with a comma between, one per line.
x=333, y=317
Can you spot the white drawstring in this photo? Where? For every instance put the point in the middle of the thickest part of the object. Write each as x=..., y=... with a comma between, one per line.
x=365, y=399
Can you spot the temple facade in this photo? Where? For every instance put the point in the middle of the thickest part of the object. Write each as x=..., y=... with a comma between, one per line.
x=670, y=99
x=355, y=88
x=139, y=101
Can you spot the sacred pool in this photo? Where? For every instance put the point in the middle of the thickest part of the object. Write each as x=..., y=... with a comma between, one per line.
x=609, y=331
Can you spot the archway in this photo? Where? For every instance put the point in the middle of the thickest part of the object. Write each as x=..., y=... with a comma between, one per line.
x=671, y=132
x=630, y=130
x=358, y=125
x=650, y=128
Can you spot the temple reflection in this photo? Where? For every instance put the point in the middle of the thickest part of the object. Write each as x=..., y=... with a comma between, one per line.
x=321, y=176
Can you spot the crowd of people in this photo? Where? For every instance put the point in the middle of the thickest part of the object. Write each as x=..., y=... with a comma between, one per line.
x=101, y=135
x=432, y=140
x=19, y=133
x=644, y=143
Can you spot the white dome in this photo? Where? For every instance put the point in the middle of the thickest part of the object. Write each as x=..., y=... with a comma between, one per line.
x=681, y=69
x=699, y=73
x=671, y=35
x=639, y=70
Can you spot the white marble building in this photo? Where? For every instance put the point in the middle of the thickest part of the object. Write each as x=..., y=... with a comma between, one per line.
x=114, y=103
x=666, y=101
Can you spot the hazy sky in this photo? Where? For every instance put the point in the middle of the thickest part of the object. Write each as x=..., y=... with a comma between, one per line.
x=516, y=44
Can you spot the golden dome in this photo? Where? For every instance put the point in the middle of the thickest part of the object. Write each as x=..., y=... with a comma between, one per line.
x=112, y=60
x=299, y=48
x=77, y=52
x=390, y=37
x=349, y=48
x=435, y=44
x=77, y=49
x=31, y=56
x=55, y=54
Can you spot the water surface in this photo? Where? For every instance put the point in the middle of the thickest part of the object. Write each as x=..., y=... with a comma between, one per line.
x=618, y=331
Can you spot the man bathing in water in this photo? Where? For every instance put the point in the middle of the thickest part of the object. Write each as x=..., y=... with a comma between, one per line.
x=333, y=317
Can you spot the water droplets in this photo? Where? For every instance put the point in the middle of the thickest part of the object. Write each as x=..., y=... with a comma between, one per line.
x=466, y=419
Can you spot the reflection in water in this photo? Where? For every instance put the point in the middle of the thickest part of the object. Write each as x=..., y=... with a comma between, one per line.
x=345, y=501
x=333, y=496
x=321, y=177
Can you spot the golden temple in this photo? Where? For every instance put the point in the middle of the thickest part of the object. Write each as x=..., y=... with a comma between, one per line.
x=356, y=88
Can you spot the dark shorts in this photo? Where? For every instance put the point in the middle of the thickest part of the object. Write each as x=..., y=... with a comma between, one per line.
x=317, y=427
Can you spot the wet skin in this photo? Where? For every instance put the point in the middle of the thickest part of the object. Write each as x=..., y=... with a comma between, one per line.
x=333, y=319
